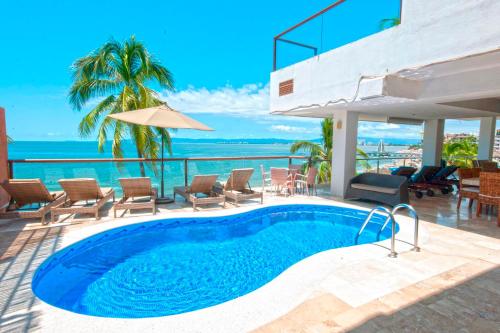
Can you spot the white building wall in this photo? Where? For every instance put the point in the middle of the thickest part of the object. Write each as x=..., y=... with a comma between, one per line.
x=486, y=138
x=431, y=31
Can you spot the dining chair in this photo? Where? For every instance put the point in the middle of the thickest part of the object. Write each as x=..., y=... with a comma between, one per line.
x=489, y=193
x=467, y=187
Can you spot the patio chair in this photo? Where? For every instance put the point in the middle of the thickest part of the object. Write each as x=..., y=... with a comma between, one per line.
x=282, y=181
x=201, y=191
x=307, y=181
x=266, y=179
x=26, y=192
x=138, y=193
x=466, y=189
x=237, y=187
x=489, y=193
x=485, y=165
x=83, y=196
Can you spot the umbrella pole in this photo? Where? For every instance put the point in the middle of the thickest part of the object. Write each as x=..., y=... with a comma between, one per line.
x=162, y=199
x=162, y=166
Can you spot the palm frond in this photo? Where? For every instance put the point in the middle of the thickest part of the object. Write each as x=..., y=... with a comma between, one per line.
x=90, y=121
x=119, y=73
x=389, y=23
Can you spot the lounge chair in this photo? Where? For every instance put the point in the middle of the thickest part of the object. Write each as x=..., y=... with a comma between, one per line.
x=237, y=187
x=444, y=179
x=421, y=181
x=405, y=171
x=26, y=192
x=201, y=191
x=138, y=193
x=83, y=196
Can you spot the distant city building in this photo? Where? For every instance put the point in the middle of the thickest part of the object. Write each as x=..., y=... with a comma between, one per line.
x=496, y=147
x=458, y=136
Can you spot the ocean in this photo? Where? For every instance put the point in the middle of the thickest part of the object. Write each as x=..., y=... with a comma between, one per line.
x=108, y=173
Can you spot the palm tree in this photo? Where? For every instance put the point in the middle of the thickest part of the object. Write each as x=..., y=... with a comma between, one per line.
x=458, y=152
x=9, y=139
x=320, y=154
x=117, y=75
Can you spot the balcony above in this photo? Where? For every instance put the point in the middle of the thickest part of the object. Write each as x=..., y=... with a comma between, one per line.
x=442, y=61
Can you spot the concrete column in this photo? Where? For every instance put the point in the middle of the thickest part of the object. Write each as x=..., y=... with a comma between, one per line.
x=486, y=138
x=432, y=146
x=345, y=136
x=4, y=170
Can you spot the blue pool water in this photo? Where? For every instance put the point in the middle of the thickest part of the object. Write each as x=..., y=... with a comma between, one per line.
x=173, y=266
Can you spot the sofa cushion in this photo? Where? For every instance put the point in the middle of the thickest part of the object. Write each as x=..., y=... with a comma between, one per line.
x=373, y=188
x=471, y=181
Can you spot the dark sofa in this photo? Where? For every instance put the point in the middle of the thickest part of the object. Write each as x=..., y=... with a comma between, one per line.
x=387, y=189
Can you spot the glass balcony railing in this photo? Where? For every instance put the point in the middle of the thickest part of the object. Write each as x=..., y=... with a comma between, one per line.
x=341, y=23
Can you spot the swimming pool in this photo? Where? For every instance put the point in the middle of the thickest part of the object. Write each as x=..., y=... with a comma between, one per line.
x=173, y=266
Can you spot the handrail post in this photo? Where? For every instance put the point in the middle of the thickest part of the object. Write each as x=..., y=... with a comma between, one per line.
x=413, y=212
x=274, y=54
x=393, y=253
x=416, y=248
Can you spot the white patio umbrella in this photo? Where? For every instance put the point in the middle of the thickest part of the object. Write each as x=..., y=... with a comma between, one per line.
x=160, y=116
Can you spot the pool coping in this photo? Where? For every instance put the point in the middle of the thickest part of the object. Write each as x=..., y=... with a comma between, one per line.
x=289, y=289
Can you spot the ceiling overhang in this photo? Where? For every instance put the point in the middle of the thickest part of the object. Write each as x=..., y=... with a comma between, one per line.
x=467, y=87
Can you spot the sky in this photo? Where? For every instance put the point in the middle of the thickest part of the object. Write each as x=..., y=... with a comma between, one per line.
x=220, y=53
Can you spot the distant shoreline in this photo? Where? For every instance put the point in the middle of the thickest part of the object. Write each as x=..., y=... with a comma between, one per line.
x=366, y=141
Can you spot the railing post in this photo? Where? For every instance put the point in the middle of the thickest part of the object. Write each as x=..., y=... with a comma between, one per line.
x=11, y=169
x=186, y=172
x=378, y=165
x=274, y=54
x=289, y=161
x=393, y=253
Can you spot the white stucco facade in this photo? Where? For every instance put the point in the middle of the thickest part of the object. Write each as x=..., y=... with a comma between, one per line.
x=387, y=64
x=441, y=62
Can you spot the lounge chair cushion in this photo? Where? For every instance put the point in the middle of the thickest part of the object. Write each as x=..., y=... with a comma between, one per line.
x=374, y=188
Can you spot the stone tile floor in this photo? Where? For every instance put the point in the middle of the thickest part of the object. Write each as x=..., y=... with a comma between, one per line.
x=463, y=297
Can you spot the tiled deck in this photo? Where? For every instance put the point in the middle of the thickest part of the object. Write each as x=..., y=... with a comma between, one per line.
x=453, y=285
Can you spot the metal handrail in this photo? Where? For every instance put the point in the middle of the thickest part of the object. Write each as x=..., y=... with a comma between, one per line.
x=279, y=36
x=412, y=210
x=390, y=217
x=185, y=160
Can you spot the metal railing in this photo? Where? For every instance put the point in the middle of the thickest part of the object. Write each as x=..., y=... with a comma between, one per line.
x=119, y=162
x=321, y=14
x=390, y=218
x=408, y=160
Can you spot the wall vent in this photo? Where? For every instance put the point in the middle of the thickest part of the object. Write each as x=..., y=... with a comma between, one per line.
x=286, y=87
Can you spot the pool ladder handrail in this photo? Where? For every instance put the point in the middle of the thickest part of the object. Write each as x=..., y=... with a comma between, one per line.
x=391, y=218
x=412, y=212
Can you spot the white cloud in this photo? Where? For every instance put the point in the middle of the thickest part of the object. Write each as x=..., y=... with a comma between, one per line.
x=289, y=129
x=387, y=130
x=249, y=100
